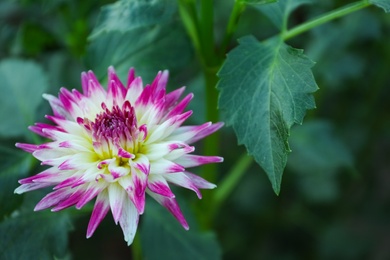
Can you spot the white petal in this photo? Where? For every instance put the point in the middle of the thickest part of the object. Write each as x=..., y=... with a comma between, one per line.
x=117, y=196
x=129, y=221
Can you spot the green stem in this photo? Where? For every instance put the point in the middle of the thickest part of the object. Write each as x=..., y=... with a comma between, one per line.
x=211, y=143
x=188, y=14
x=238, y=8
x=206, y=25
x=232, y=179
x=210, y=147
x=324, y=19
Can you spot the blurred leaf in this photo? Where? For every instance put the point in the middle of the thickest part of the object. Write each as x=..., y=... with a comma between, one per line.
x=22, y=86
x=344, y=239
x=15, y=165
x=34, y=235
x=318, y=154
x=265, y=89
x=385, y=4
x=154, y=44
x=35, y=39
x=279, y=12
x=257, y=2
x=163, y=238
x=128, y=15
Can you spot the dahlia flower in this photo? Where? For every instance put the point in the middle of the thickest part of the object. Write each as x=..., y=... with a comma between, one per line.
x=117, y=145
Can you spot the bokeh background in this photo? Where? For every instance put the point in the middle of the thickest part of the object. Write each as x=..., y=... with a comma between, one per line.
x=335, y=196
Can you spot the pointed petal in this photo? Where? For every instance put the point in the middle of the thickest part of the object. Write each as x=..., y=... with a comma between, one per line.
x=135, y=187
x=52, y=199
x=157, y=184
x=117, y=196
x=100, y=210
x=172, y=97
x=92, y=87
x=156, y=151
x=92, y=191
x=137, y=196
x=129, y=221
x=134, y=90
x=57, y=107
x=130, y=76
x=117, y=89
x=165, y=129
x=172, y=206
x=31, y=186
x=200, y=182
x=70, y=201
x=30, y=148
x=213, y=128
x=191, y=134
x=160, y=82
x=42, y=129
x=162, y=166
x=182, y=180
x=179, y=108
x=190, y=160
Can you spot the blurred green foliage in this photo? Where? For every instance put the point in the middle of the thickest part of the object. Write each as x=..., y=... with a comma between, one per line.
x=335, y=197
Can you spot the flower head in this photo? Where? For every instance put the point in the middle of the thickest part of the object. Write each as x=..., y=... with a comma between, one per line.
x=117, y=145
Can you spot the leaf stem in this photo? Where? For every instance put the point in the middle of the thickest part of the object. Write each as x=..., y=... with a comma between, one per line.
x=232, y=179
x=206, y=29
x=324, y=19
x=188, y=14
x=211, y=143
x=238, y=8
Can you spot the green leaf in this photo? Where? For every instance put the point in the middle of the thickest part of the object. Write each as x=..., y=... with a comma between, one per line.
x=385, y=4
x=279, y=12
x=155, y=43
x=34, y=235
x=15, y=165
x=257, y=2
x=265, y=89
x=318, y=154
x=129, y=15
x=163, y=238
x=22, y=86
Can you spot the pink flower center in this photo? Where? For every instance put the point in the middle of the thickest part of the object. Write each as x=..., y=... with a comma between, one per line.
x=116, y=139
x=116, y=124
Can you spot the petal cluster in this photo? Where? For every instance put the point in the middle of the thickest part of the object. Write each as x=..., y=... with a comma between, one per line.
x=116, y=145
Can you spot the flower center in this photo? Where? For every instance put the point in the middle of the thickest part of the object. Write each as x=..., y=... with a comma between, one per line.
x=116, y=139
x=115, y=125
